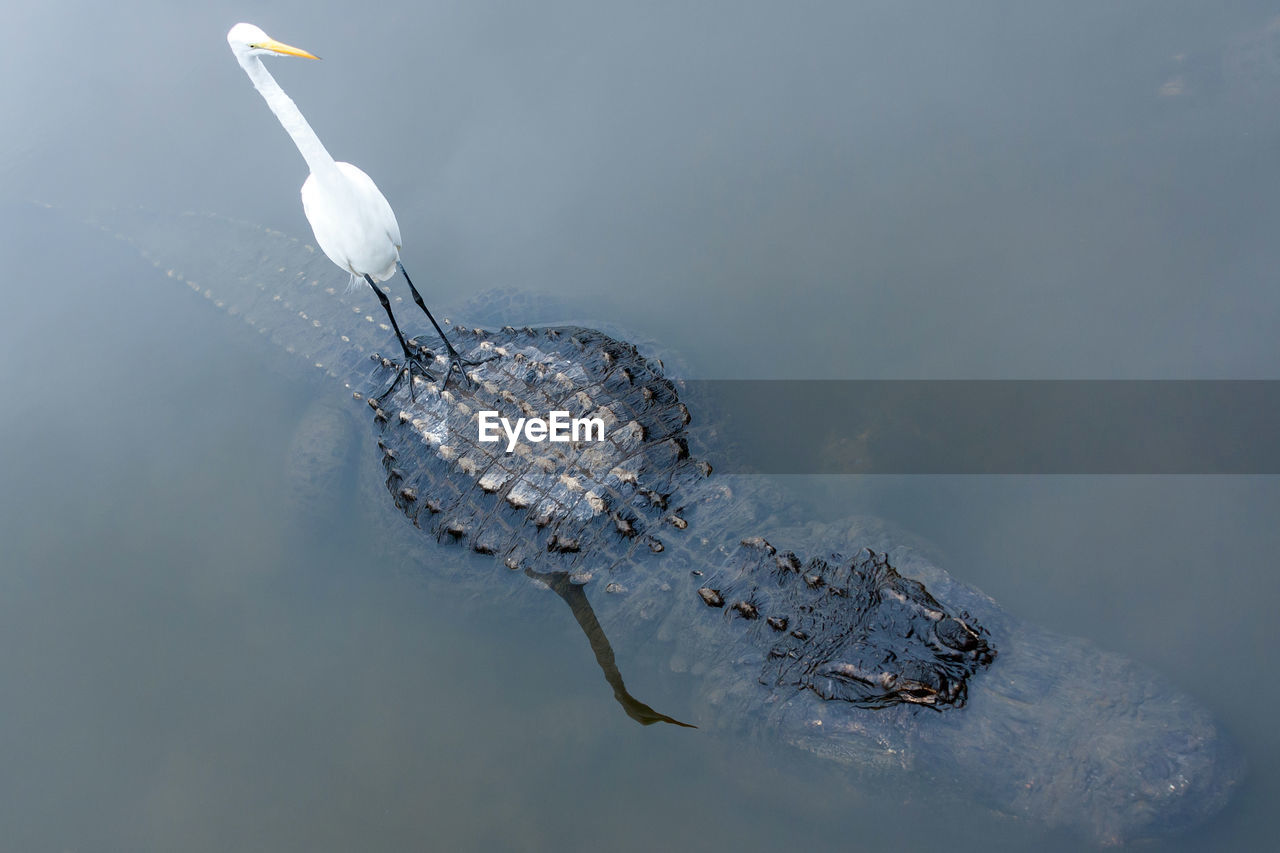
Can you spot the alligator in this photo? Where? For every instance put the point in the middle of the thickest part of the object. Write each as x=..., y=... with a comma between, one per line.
x=836, y=638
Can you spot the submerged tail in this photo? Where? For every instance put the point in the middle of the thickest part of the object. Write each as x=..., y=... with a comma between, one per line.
x=283, y=287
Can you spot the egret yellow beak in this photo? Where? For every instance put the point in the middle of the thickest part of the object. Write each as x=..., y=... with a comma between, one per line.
x=281, y=47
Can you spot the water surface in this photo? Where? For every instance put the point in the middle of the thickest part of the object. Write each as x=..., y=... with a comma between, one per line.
x=820, y=190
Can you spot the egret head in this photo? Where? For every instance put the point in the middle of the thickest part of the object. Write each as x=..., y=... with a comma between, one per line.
x=248, y=40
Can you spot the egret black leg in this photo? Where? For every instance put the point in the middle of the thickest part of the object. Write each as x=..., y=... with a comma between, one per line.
x=456, y=361
x=410, y=360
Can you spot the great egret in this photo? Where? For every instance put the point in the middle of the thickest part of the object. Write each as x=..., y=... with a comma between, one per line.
x=353, y=222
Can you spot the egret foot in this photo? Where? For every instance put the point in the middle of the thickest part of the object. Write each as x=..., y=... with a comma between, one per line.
x=456, y=361
x=460, y=364
x=411, y=365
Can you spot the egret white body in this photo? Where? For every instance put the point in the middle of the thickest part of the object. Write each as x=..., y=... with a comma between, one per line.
x=352, y=220
x=353, y=223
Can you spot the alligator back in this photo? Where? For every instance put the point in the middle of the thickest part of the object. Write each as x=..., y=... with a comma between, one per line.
x=599, y=507
x=598, y=499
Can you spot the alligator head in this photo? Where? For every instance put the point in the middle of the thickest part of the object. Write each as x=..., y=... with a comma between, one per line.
x=855, y=630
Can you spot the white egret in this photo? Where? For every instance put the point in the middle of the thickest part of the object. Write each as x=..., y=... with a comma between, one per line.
x=352, y=221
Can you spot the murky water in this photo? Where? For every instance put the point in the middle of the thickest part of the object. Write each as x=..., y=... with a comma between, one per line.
x=190, y=657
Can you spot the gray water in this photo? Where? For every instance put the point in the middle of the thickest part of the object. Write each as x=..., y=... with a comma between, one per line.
x=872, y=190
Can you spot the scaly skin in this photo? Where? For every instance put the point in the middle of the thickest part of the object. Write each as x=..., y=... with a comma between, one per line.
x=849, y=630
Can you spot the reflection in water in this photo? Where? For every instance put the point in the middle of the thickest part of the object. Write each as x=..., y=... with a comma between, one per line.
x=573, y=595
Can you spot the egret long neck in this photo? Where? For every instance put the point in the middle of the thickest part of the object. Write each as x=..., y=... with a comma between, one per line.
x=309, y=145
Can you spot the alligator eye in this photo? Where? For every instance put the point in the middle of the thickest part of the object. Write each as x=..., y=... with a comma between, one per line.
x=919, y=693
x=956, y=634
